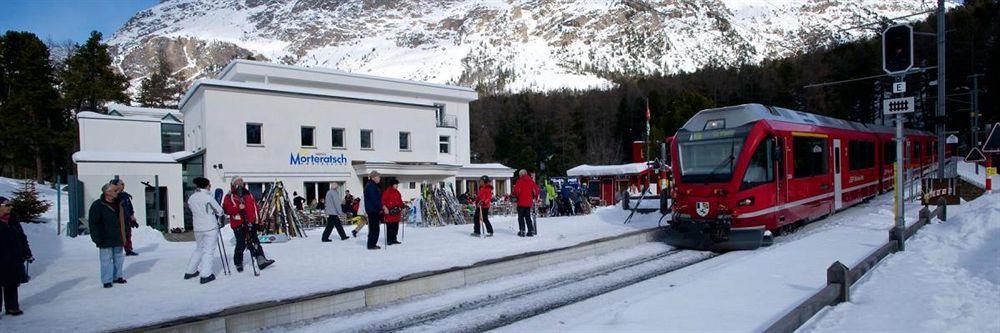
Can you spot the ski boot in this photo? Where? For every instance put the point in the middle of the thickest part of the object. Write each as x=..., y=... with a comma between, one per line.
x=262, y=262
x=190, y=276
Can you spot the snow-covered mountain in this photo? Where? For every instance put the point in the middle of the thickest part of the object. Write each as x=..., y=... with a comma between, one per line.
x=497, y=45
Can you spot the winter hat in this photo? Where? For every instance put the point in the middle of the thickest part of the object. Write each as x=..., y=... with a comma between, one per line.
x=3, y=200
x=485, y=178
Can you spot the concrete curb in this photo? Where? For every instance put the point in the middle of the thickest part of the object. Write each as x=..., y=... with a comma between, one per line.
x=279, y=312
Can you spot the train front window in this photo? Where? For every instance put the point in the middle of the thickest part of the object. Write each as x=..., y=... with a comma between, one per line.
x=709, y=161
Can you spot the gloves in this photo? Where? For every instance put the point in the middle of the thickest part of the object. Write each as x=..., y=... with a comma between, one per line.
x=134, y=224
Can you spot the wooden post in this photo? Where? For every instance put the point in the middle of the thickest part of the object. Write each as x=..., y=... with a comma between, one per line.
x=837, y=274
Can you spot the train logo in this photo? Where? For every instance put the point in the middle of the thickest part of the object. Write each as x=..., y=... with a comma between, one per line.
x=701, y=208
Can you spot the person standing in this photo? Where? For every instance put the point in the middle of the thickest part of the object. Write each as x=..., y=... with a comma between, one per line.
x=392, y=201
x=205, y=214
x=374, y=209
x=298, y=201
x=241, y=208
x=14, y=252
x=483, y=199
x=106, y=221
x=334, y=210
x=525, y=191
x=130, y=222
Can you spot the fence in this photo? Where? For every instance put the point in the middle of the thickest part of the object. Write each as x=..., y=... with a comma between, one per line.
x=839, y=278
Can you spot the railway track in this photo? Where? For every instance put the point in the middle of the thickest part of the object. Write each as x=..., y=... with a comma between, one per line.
x=478, y=312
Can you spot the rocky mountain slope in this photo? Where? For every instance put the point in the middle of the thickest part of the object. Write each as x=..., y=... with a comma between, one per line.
x=495, y=45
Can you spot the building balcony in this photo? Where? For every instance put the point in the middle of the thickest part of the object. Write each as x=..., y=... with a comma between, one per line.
x=449, y=121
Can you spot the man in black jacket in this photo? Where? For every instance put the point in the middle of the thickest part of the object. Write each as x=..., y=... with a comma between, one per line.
x=107, y=229
x=374, y=208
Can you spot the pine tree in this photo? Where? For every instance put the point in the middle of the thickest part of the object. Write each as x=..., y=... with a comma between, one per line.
x=26, y=203
x=31, y=121
x=89, y=81
x=161, y=88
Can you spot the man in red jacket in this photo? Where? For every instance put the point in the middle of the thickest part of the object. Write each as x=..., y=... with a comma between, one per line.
x=525, y=191
x=241, y=208
x=483, y=198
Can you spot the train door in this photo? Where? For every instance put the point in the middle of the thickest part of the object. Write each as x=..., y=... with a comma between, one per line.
x=838, y=194
x=781, y=179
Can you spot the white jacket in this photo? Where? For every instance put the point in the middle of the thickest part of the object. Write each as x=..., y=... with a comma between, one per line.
x=204, y=210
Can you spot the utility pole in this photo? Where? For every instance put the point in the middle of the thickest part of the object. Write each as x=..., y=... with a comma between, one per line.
x=942, y=97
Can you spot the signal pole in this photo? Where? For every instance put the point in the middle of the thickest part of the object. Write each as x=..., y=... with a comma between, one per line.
x=942, y=98
x=898, y=187
x=974, y=120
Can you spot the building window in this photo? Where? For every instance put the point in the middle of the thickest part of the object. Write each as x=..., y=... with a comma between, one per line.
x=337, y=138
x=810, y=156
x=308, y=136
x=254, y=133
x=889, y=152
x=404, y=141
x=860, y=155
x=366, y=139
x=761, y=167
x=413, y=185
x=171, y=138
x=444, y=143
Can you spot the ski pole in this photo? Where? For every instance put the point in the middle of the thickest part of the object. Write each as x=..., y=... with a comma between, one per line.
x=222, y=252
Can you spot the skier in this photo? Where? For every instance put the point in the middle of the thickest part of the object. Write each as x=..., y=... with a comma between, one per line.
x=14, y=252
x=205, y=214
x=551, y=194
x=483, y=199
x=333, y=213
x=525, y=191
x=393, y=205
x=374, y=209
x=107, y=229
x=130, y=222
x=298, y=201
x=241, y=208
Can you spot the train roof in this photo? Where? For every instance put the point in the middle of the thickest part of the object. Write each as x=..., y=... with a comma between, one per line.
x=739, y=115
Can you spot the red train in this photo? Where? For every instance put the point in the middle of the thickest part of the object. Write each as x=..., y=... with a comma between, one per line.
x=744, y=169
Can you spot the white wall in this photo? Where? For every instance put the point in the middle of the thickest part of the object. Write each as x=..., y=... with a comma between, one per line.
x=111, y=133
x=95, y=175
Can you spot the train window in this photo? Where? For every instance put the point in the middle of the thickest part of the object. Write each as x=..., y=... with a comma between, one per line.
x=810, y=156
x=860, y=155
x=916, y=150
x=930, y=149
x=889, y=152
x=761, y=167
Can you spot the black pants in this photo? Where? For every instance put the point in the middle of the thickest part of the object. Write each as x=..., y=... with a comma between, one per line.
x=524, y=217
x=246, y=239
x=374, y=226
x=10, y=297
x=485, y=213
x=331, y=222
x=392, y=232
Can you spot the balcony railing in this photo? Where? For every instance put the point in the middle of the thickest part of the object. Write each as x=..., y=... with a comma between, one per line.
x=450, y=121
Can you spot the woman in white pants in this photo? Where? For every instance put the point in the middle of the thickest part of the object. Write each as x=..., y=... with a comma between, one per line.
x=205, y=214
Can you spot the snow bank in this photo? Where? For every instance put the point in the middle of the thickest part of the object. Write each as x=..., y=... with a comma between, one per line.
x=967, y=171
x=65, y=294
x=947, y=280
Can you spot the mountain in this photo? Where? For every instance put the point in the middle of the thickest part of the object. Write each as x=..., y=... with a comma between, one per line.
x=494, y=45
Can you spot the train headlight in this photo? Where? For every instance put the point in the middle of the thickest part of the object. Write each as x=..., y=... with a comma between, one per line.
x=720, y=192
x=745, y=202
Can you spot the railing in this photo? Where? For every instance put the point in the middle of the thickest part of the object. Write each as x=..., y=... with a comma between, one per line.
x=448, y=121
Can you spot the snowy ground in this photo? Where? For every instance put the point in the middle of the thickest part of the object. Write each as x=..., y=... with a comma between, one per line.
x=736, y=292
x=948, y=280
x=66, y=273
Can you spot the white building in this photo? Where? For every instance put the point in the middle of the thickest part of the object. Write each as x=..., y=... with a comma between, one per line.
x=304, y=127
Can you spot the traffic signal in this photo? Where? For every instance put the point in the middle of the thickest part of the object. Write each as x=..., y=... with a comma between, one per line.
x=897, y=49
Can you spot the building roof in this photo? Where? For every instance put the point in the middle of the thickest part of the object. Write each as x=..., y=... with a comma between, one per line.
x=494, y=170
x=248, y=74
x=158, y=113
x=95, y=115
x=607, y=170
x=131, y=157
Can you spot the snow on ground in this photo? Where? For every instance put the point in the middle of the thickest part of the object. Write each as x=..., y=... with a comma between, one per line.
x=967, y=171
x=66, y=271
x=736, y=292
x=947, y=280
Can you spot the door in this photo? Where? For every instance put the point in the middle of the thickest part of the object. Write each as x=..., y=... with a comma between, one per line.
x=838, y=193
x=156, y=208
x=780, y=179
